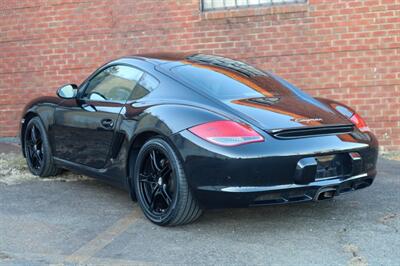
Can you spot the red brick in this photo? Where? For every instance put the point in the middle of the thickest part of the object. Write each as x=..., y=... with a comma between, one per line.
x=348, y=50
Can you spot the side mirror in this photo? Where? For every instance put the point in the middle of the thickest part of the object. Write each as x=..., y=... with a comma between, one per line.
x=67, y=91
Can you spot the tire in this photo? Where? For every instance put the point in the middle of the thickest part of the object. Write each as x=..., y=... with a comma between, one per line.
x=161, y=187
x=131, y=180
x=39, y=150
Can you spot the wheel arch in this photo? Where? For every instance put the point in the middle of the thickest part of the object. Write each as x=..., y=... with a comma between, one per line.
x=43, y=108
x=162, y=121
x=165, y=120
x=133, y=152
x=135, y=147
x=136, y=144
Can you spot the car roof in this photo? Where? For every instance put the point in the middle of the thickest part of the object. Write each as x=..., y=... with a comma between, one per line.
x=205, y=59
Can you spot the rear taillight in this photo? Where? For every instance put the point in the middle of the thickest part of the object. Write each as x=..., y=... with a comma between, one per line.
x=359, y=123
x=227, y=133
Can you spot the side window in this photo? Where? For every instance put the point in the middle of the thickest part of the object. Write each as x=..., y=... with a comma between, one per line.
x=115, y=83
x=147, y=84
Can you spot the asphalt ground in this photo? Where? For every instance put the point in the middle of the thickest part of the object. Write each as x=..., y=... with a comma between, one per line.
x=70, y=221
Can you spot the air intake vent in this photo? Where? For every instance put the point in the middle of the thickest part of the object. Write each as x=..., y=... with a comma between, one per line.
x=311, y=131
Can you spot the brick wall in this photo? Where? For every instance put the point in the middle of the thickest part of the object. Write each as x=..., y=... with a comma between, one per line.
x=347, y=50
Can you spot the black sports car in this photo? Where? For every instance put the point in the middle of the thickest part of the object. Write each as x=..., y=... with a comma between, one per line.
x=187, y=132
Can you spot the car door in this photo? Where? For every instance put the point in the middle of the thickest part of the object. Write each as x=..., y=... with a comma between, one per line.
x=84, y=127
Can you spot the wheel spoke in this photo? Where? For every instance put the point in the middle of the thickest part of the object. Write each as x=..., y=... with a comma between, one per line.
x=33, y=135
x=153, y=161
x=153, y=197
x=40, y=154
x=36, y=156
x=29, y=143
x=166, y=196
x=38, y=161
x=146, y=179
x=31, y=151
x=165, y=171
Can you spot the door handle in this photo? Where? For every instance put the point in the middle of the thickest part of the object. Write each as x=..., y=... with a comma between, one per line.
x=89, y=107
x=107, y=123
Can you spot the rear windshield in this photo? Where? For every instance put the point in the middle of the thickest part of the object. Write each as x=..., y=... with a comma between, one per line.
x=226, y=84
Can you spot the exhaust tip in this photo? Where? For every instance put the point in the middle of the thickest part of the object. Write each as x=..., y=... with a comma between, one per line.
x=362, y=184
x=325, y=193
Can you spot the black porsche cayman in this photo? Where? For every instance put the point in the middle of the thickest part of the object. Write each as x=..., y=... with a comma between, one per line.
x=184, y=133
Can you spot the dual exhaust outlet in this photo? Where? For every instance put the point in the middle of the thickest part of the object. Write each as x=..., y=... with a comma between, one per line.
x=329, y=192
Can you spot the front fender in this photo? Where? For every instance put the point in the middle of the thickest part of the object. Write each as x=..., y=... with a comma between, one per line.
x=42, y=107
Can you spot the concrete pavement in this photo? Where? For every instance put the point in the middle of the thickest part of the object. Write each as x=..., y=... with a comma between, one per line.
x=88, y=222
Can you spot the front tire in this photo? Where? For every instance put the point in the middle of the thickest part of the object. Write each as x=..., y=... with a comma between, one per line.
x=161, y=187
x=37, y=150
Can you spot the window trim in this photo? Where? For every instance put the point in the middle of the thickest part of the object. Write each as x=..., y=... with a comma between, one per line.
x=241, y=7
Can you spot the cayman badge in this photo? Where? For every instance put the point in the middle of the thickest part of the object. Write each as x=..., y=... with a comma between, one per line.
x=306, y=120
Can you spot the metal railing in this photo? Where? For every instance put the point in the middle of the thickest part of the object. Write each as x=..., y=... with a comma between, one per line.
x=231, y=4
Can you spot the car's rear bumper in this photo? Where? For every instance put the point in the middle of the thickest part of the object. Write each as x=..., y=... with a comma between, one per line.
x=275, y=171
x=222, y=197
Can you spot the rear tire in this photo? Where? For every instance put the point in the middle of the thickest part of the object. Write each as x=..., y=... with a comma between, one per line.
x=161, y=187
x=37, y=150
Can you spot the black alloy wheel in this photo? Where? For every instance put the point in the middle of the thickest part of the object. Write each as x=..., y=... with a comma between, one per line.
x=34, y=145
x=37, y=150
x=161, y=187
x=156, y=182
